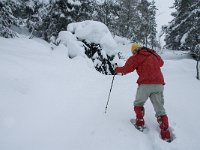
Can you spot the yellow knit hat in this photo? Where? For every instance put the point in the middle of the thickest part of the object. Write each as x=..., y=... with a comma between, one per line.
x=134, y=47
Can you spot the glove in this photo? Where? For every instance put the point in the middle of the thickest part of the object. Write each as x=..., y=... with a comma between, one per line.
x=116, y=68
x=118, y=73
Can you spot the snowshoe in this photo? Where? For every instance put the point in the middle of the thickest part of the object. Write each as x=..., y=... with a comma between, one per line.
x=139, y=128
x=171, y=138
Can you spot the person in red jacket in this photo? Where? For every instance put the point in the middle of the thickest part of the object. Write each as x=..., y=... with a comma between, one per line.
x=147, y=63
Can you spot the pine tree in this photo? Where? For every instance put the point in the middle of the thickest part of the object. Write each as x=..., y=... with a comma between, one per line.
x=7, y=19
x=152, y=26
x=20, y=14
x=128, y=21
x=59, y=13
x=56, y=19
x=193, y=29
x=31, y=13
x=108, y=13
x=183, y=31
x=102, y=62
x=144, y=27
x=83, y=11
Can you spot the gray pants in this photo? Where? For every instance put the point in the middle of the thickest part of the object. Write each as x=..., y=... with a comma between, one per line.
x=155, y=93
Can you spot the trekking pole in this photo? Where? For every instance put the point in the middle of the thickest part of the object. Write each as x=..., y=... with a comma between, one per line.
x=109, y=93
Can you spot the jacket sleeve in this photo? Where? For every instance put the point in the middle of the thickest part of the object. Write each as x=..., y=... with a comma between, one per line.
x=129, y=66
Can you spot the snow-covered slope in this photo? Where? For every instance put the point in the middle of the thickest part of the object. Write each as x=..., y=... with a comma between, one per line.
x=51, y=102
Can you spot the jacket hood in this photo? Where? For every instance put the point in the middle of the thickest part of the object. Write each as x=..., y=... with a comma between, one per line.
x=144, y=52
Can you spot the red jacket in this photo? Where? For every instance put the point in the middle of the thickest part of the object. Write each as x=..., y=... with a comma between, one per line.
x=147, y=66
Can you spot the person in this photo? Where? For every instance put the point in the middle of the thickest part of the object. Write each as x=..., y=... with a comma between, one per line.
x=147, y=63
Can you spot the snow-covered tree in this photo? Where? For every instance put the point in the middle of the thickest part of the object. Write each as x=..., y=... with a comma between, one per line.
x=83, y=11
x=108, y=13
x=101, y=60
x=7, y=19
x=56, y=19
x=128, y=21
x=59, y=13
x=152, y=26
x=146, y=31
x=21, y=14
x=31, y=14
x=184, y=30
x=100, y=47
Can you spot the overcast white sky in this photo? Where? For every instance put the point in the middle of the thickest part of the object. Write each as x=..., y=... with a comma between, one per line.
x=164, y=12
x=163, y=16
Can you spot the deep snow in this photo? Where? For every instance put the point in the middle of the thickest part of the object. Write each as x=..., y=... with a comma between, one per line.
x=51, y=102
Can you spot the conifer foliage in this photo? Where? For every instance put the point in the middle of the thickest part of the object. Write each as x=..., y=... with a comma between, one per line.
x=184, y=30
x=132, y=19
x=57, y=18
x=102, y=61
x=7, y=19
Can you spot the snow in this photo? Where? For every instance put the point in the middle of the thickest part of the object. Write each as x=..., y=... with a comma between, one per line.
x=122, y=40
x=74, y=2
x=94, y=32
x=49, y=101
x=183, y=39
x=75, y=47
